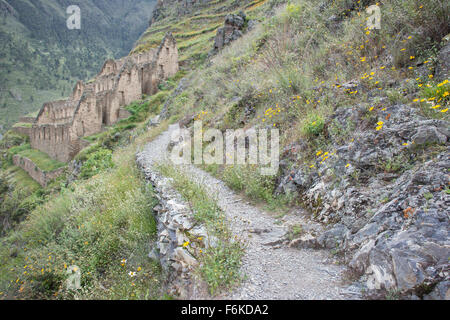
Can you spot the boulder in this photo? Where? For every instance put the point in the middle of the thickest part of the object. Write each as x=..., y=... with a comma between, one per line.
x=429, y=135
x=443, y=63
x=334, y=237
x=231, y=31
x=440, y=292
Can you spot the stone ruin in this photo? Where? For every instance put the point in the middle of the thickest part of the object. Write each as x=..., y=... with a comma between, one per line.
x=60, y=126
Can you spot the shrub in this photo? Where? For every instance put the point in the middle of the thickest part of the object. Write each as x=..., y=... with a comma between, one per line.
x=11, y=139
x=17, y=149
x=313, y=126
x=220, y=267
x=434, y=100
x=140, y=110
x=255, y=186
x=96, y=163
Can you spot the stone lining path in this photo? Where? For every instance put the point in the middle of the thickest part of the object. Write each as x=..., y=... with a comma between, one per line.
x=272, y=270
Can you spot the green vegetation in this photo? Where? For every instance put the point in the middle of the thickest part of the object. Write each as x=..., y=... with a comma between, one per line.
x=194, y=33
x=103, y=225
x=17, y=149
x=220, y=264
x=428, y=196
x=95, y=223
x=23, y=125
x=140, y=110
x=19, y=195
x=125, y=130
x=313, y=126
x=398, y=164
x=295, y=231
x=96, y=163
x=41, y=160
x=12, y=139
x=247, y=179
x=291, y=72
x=436, y=94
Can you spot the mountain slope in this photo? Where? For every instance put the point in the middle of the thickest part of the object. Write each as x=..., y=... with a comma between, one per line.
x=41, y=58
x=363, y=119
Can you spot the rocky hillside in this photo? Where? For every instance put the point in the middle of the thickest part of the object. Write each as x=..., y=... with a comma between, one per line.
x=363, y=183
x=364, y=121
x=41, y=58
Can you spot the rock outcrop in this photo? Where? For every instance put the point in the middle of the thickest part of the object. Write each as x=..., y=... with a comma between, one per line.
x=386, y=200
x=443, y=62
x=231, y=31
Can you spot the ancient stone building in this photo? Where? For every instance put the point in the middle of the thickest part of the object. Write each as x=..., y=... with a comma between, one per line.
x=60, y=125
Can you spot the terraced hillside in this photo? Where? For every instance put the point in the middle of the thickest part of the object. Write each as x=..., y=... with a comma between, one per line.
x=193, y=27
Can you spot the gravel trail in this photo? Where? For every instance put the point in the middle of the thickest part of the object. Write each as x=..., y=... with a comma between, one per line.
x=271, y=269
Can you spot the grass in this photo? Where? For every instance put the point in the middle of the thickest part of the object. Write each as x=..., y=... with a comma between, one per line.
x=434, y=100
x=23, y=125
x=220, y=263
x=96, y=163
x=141, y=110
x=247, y=180
x=20, y=179
x=18, y=149
x=95, y=224
x=295, y=231
x=19, y=194
x=290, y=73
x=41, y=160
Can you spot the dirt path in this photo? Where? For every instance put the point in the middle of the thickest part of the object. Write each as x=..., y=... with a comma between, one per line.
x=272, y=270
